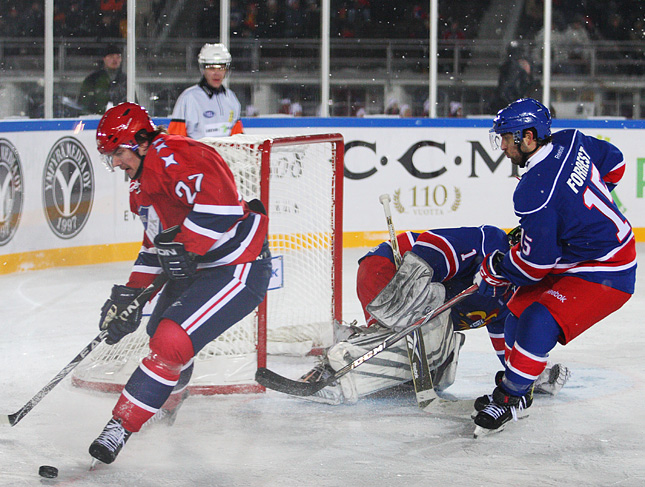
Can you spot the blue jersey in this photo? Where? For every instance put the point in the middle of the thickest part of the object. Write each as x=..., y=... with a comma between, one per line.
x=455, y=255
x=570, y=223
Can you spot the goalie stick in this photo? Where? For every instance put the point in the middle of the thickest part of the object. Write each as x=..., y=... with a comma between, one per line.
x=274, y=381
x=140, y=300
x=421, y=378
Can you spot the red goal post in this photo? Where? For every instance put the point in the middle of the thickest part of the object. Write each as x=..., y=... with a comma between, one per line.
x=299, y=179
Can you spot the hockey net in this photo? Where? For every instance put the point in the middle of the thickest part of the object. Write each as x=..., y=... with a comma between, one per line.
x=300, y=180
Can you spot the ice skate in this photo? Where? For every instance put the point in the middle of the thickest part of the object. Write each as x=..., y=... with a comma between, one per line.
x=552, y=380
x=332, y=394
x=482, y=401
x=109, y=443
x=503, y=408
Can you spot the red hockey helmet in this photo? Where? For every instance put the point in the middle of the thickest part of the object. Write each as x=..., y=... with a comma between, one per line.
x=118, y=128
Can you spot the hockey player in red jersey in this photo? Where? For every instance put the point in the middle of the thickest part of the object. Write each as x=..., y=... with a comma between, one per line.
x=576, y=261
x=208, y=241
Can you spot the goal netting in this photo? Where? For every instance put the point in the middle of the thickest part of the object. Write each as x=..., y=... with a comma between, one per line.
x=299, y=179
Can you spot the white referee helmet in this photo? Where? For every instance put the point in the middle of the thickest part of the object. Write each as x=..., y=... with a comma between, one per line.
x=214, y=55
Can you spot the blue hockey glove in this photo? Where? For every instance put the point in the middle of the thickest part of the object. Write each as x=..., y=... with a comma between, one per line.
x=175, y=261
x=117, y=328
x=490, y=282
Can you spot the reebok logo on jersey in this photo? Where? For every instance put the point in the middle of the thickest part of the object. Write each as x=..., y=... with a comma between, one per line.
x=209, y=114
x=557, y=295
x=581, y=169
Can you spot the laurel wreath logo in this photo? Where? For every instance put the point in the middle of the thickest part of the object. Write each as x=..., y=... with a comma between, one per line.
x=396, y=201
x=457, y=202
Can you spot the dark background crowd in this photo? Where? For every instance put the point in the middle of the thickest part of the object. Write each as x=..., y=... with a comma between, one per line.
x=297, y=19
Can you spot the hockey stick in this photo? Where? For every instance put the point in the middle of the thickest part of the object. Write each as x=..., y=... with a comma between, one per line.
x=274, y=381
x=140, y=300
x=421, y=378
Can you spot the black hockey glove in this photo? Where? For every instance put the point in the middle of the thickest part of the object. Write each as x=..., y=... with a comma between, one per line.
x=175, y=261
x=119, y=300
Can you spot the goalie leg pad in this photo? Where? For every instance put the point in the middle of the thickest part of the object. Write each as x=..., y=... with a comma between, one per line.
x=408, y=296
x=391, y=367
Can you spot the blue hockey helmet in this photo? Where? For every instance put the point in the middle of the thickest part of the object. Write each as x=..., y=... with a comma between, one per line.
x=520, y=115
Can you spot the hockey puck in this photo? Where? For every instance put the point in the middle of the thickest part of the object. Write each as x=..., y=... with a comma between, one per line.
x=48, y=472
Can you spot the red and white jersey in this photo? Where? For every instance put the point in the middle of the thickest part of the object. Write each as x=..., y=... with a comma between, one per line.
x=184, y=182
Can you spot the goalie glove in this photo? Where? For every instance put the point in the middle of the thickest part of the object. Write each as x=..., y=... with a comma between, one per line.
x=175, y=261
x=117, y=328
x=491, y=283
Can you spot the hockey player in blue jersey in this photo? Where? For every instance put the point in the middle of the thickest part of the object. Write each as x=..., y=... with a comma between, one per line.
x=447, y=259
x=576, y=261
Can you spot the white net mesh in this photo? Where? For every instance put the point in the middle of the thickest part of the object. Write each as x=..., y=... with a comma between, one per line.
x=301, y=207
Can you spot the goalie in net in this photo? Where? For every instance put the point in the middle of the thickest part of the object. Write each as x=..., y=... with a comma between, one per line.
x=437, y=265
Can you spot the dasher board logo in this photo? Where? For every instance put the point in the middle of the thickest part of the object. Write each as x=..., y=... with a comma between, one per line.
x=68, y=187
x=11, y=191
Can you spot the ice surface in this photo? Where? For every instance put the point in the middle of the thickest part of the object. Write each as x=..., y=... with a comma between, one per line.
x=591, y=434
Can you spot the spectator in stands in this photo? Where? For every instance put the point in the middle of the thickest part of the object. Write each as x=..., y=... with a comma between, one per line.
x=236, y=17
x=285, y=106
x=270, y=23
x=75, y=21
x=515, y=80
x=576, y=44
x=454, y=38
x=12, y=25
x=405, y=111
x=296, y=109
x=34, y=20
x=294, y=20
x=251, y=111
x=617, y=29
x=312, y=19
x=558, y=55
x=532, y=18
x=250, y=25
x=392, y=107
x=209, y=19
x=456, y=110
x=637, y=35
x=113, y=20
x=418, y=22
x=106, y=87
x=108, y=26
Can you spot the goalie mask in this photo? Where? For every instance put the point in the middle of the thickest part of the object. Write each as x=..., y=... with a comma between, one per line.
x=515, y=236
x=519, y=116
x=119, y=127
x=214, y=56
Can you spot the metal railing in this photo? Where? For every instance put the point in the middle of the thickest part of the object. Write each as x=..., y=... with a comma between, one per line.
x=463, y=65
x=383, y=57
